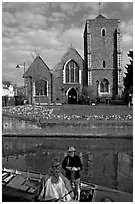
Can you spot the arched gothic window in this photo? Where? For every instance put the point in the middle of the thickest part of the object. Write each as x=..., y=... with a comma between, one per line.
x=41, y=86
x=104, y=86
x=72, y=72
x=103, y=32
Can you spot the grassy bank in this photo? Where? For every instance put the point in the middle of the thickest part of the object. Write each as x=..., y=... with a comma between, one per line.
x=73, y=113
x=73, y=120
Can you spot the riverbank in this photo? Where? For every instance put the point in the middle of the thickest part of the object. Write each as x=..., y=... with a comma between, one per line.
x=63, y=135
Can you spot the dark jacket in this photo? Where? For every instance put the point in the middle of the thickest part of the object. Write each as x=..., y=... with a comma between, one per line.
x=74, y=161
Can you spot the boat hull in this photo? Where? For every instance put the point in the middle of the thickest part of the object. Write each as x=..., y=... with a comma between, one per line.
x=14, y=195
x=20, y=186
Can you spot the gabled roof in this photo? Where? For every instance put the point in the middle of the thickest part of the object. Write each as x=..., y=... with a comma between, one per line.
x=71, y=49
x=42, y=61
x=38, y=58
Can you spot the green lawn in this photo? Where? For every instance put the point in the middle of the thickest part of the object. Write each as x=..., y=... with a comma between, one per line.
x=93, y=110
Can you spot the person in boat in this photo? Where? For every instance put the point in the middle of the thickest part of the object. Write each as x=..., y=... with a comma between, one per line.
x=72, y=165
x=54, y=186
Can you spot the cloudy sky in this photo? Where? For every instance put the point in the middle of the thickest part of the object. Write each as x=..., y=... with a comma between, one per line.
x=49, y=29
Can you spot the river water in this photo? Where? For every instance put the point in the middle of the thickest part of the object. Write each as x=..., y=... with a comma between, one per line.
x=107, y=162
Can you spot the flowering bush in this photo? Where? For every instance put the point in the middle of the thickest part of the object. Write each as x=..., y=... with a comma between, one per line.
x=43, y=113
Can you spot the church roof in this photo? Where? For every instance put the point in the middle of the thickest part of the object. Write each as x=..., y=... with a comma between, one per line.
x=71, y=51
x=37, y=62
x=38, y=58
x=100, y=17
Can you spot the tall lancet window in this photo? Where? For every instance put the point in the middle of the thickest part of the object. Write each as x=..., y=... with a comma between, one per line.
x=67, y=74
x=76, y=75
x=103, y=64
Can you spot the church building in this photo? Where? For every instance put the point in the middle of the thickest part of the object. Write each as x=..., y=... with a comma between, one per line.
x=67, y=77
x=100, y=72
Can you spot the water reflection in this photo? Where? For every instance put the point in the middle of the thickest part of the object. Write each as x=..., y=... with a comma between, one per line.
x=111, y=169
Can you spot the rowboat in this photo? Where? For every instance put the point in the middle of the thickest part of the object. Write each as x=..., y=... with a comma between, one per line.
x=20, y=186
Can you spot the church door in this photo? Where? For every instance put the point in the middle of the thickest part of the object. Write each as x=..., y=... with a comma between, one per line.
x=72, y=96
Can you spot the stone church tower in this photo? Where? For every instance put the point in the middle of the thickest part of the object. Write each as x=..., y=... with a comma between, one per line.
x=102, y=57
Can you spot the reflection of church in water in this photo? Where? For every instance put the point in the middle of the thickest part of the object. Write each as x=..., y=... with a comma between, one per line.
x=99, y=72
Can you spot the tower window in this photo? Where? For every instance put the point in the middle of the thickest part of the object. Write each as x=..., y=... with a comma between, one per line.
x=103, y=64
x=103, y=32
x=104, y=86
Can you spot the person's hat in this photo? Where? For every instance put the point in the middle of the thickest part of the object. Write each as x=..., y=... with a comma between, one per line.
x=71, y=149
